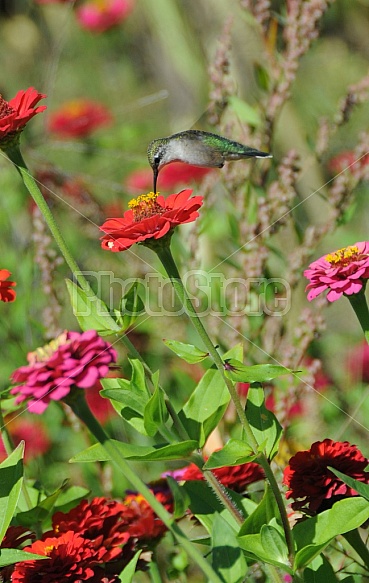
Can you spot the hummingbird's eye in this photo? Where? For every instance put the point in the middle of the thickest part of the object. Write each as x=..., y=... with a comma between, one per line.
x=156, y=159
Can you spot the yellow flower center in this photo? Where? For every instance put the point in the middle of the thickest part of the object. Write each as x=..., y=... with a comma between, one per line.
x=344, y=256
x=44, y=352
x=145, y=206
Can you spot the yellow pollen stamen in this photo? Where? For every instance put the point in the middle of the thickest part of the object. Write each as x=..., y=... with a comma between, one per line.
x=145, y=206
x=44, y=352
x=343, y=256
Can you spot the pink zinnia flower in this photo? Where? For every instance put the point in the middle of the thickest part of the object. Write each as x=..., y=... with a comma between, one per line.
x=150, y=217
x=79, y=118
x=72, y=360
x=100, y=15
x=341, y=272
x=312, y=485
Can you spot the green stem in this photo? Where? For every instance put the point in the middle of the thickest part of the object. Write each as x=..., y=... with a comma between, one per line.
x=360, y=307
x=16, y=157
x=154, y=571
x=81, y=409
x=170, y=267
x=223, y=496
x=356, y=542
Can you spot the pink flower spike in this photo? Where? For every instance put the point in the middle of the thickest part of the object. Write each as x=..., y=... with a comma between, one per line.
x=342, y=272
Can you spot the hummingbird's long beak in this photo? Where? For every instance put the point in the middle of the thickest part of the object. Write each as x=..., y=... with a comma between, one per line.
x=156, y=172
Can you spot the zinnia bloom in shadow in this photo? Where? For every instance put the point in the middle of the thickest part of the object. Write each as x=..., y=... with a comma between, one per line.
x=342, y=272
x=6, y=293
x=100, y=15
x=358, y=363
x=100, y=521
x=171, y=176
x=72, y=360
x=234, y=477
x=15, y=114
x=71, y=558
x=150, y=217
x=141, y=521
x=312, y=485
x=79, y=118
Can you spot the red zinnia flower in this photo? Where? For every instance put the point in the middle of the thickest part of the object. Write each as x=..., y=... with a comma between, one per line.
x=100, y=521
x=141, y=521
x=79, y=118
x=341, y=272
x=171, y=176
x=358, y=363
x=72, y=559
x=100, y=15
x=346, y=161
x=32, y=432
x=312, y=485
x=15, y=536
x=73, y=359
x=150, y=217
x=234, y=477
x=6, y=294
x=18, y=111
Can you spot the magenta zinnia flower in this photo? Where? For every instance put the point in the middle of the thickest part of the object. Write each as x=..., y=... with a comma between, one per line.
x=72, y=360
x=342, y=272
x=312, y=485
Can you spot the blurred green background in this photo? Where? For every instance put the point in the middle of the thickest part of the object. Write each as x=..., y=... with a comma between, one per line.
x=155, y=72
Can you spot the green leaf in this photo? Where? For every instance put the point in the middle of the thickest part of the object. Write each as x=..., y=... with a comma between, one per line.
x=319, y=570
x=274, y=544
x=43, y=509
x=204, y=504
x=131, y=307
x=187, y=352
x=258, y=373
x=314, y=534
x=359, y=487
x=262, y=76
x=268, y=546
x=90, y=311
x=11, y=556
x=11, y=479
x=156, y=412
x=227, y=558
x=244, y=111
x=126, y=576
x=234, y=452
x=205, y=407
x=180, y=497
x=129, y=397
x=173, y=451
x=266, y=427
x=266, y=510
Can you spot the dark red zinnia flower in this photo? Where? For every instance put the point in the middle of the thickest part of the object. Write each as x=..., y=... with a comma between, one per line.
x=150, y=217
x=171, y=176
x=79, y=118
x=18, y=111
x=73, y=359
x=100, y=521
x=234, y=477
x=312, y=485
x=71, y=559
x=6, y=293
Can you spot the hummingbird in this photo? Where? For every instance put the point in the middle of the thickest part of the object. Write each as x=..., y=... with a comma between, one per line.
x=197, y=148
